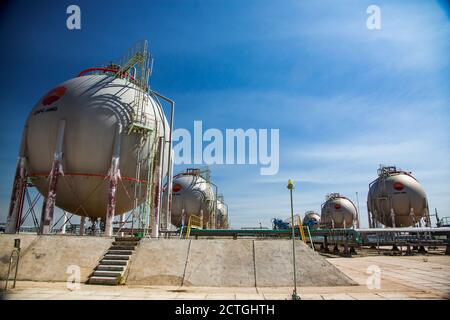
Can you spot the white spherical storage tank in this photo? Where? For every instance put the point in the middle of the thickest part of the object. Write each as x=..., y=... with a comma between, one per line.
x=338, y=212
x=191, y=195
x=396, y=198
x=92, y=107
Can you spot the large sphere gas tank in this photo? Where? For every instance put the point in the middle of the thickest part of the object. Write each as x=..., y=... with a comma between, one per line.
x=338, y=212
x=311, y=219
x=92, y=106
x=222, y=215
x=396, y=193
x=191, y=195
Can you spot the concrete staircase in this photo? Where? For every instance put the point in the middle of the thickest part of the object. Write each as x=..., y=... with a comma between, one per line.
x=114, y=264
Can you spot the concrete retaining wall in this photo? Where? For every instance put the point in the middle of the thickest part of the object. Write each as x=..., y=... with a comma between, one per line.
x=158, y=262
x=242, y=262
x=46, y=258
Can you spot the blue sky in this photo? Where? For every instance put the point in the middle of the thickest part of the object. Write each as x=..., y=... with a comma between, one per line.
x=345, y=98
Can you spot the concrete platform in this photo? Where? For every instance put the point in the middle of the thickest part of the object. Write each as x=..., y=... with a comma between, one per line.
x=400, y=279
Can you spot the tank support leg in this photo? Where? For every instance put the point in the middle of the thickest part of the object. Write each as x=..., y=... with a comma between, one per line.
x=325, y=244
x=18, y=189
x=47, y=217
x=408, y=250
x=82, y=223
x=447, y=249
x=114, y=176
x=17, y=197
x=393, y=217
x=94, y=226
x=412, y=216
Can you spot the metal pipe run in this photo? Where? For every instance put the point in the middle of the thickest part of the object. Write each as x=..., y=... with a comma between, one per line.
x=170, y=159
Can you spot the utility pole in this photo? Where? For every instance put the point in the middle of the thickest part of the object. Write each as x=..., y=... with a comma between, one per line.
x=295, y=296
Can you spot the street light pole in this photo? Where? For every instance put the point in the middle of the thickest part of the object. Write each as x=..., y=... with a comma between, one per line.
x=290, y=186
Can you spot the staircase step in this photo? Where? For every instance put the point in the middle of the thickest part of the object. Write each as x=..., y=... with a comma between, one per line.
x=103, y=273
x=115, y=257
x=120, y=252
x=127, y=239
x=107, y=267
x=112, y=281
x=122, y=247
x=113, y=262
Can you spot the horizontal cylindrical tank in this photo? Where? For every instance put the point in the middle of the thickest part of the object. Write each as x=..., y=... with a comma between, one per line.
x=191, y=195
x=338, y=212
x=311, y=219
x=92, y=106
x=396, y=198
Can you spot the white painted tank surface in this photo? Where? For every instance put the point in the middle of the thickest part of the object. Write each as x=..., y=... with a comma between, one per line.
x=191, y=195
x=338, y=212
x=396, y=198
x=92, y=106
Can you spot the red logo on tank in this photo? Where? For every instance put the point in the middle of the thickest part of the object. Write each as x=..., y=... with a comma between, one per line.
x=177, y=187
x=53, y=95
x=337, y=206
x=398, y=186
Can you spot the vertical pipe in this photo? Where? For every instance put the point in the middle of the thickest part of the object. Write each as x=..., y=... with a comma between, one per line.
x=114, y=175
x=169, y=186
x=63, y=228
x=18, y=189
x=157, y=175
x=357, y=214
x=170, y=168
x=82, y=223
x=170, y=158
x=47, y=217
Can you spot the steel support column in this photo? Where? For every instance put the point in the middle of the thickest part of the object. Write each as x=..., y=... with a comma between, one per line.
x=18, y=189
x=47, y=217
x=114, y=176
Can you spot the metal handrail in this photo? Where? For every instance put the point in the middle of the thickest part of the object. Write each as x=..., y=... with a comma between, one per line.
x=17, y=251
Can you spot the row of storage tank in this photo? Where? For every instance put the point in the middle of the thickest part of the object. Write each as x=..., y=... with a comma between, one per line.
x=95, y=140
x=395, y=199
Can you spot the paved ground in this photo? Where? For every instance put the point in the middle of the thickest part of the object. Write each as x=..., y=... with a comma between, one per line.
x=417, y=277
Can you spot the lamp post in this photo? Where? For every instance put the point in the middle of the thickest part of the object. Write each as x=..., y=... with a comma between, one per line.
x=290, y=186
